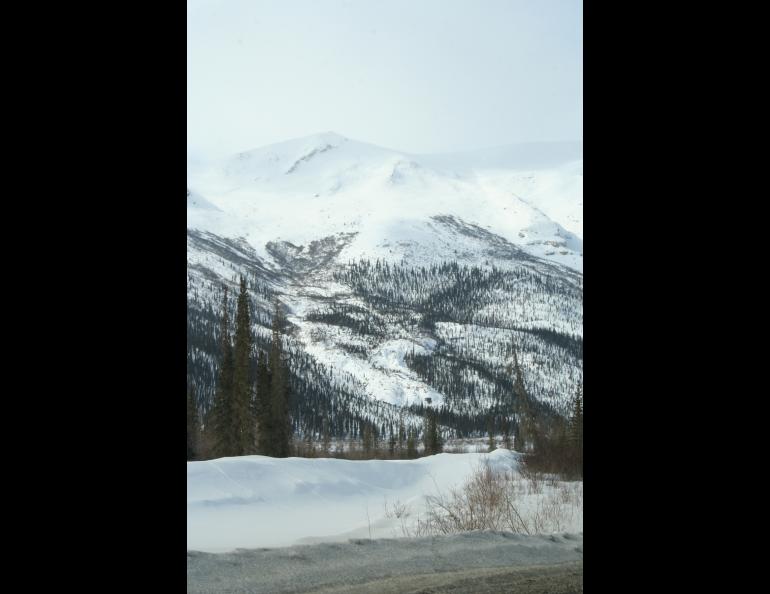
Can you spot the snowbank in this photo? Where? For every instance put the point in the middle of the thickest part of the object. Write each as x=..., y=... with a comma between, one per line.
x=256, y=501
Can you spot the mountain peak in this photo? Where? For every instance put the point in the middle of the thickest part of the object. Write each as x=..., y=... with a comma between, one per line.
x=331, y=137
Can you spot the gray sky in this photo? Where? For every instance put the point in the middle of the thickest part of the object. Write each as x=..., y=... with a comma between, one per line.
x=416, y=75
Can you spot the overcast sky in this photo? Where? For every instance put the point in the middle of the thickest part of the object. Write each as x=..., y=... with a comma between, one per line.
x=415, y=75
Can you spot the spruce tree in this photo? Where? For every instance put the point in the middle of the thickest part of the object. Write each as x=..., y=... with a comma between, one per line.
x=368, y=441
x=576, y=431
x=193, y=427
x=432, y=438
x=411, y=446
x=392, y=443
x=280, y=419
x=326, y=439
x=225, y=440
x=521, y=406
x=262, y=407
x=309, y=446
x=491, y=432
x=375, y=440
x=564, y=456
x=401, y=438
x=438, y=443
x=243, y=412
x=506, y=433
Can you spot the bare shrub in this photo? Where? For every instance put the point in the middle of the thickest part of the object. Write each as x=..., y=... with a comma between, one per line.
x=501, y=500
x=400, y=512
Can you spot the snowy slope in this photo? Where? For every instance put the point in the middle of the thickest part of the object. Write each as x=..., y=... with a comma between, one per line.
x=303, y=219
x=197, y=202
x=256, y=501
x=314, y=187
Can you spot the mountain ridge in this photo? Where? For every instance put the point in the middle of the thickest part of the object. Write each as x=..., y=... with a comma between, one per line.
x=401, y=279
x=332, y=183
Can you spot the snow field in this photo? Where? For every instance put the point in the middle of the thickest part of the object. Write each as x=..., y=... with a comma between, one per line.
x=257, y=501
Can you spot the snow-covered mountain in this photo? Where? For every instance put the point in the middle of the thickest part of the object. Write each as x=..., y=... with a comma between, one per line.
x=404, y=276
x=315, y=187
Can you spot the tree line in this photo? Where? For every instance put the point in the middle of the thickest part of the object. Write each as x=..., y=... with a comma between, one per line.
x=464, y=366
x=261, y=392
x=250, y=411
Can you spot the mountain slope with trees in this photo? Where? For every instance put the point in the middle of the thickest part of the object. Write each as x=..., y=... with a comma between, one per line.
x=449, y=324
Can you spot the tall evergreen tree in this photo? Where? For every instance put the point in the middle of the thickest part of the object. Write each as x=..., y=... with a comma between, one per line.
x=491, y=447
x=506, y=427
x=411, y=445
x=262, y=406
x=522, y=407
x=326, y=438
x=193, y=427
x=244, y=426
x=368, y=441
x=576, y=431
x=432, y=438
x=280, y=419
x=438, y=442
x=225, y=438
x=401, y=437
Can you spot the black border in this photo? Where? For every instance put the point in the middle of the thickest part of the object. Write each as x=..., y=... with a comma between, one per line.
x=103, y=173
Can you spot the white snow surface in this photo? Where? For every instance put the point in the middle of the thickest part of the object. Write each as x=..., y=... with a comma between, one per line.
x=197, y=202
x=314, y=187
x=258, y=501
x=383, y=375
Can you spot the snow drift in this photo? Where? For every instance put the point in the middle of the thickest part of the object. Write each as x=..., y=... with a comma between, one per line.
x=257, y=501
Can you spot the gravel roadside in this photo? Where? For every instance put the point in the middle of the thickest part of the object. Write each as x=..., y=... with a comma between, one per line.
x=474, y=562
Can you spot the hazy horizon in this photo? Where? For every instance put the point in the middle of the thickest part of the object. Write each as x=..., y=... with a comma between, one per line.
x=426, y=77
